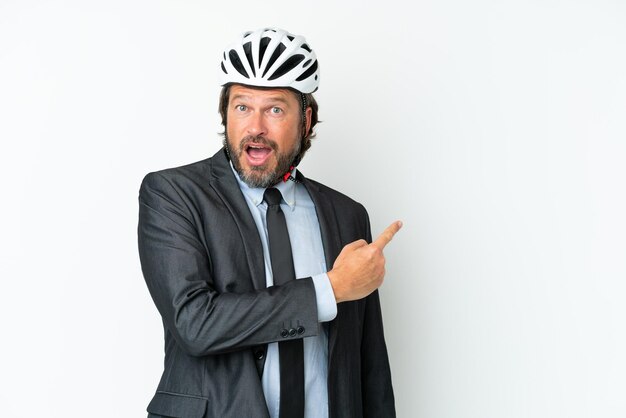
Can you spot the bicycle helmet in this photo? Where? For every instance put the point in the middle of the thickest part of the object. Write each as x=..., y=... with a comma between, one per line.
x=271, y=58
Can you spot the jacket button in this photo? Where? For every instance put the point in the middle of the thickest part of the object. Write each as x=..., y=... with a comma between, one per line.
x=292, y=332
x=300, y=330
x=284, y=333
x=258, y=354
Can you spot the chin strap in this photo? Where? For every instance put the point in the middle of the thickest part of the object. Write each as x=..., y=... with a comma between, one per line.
x=288, y=176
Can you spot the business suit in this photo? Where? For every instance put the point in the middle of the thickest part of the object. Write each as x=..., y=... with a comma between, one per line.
x=202, y=259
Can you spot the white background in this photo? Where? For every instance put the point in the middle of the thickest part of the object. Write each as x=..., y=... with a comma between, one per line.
x=495, y=130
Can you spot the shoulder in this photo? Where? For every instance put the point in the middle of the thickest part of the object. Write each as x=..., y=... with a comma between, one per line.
x=172, y=189
x=182, y=186
x=180, y=175
x=189, y=176
x=351, y=216
x=339, y=199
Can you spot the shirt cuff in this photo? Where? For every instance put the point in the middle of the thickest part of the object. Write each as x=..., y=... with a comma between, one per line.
x=325, y=297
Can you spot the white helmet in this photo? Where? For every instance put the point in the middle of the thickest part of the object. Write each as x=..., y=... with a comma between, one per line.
x=271, y=58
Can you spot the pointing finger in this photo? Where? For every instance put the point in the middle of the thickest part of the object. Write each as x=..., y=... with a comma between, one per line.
x=356, y=244
x=387, y=235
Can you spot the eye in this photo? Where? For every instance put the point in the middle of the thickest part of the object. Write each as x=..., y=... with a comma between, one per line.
x=276, y=110
x=241, y=108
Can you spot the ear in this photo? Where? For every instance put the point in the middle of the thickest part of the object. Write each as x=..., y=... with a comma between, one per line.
x=307, y=127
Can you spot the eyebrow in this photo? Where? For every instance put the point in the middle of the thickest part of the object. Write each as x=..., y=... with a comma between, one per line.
x=270, y=99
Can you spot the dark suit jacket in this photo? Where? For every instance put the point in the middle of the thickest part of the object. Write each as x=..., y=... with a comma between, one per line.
x=202, y=260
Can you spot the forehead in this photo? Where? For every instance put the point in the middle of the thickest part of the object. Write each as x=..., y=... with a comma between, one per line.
x=238, y=91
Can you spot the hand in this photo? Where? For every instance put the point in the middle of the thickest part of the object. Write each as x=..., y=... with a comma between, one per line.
x=360, y=267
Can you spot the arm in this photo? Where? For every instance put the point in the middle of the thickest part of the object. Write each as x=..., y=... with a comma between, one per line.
x=357, y=273
x=378, y=398
x=176, y=267
x=376, y=386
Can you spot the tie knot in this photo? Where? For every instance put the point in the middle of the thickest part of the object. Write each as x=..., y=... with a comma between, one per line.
x=272, y=196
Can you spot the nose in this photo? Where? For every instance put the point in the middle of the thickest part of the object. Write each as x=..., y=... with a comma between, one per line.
x=257, y=125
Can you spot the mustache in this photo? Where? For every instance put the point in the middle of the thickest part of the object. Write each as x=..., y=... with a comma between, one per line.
x=258, y=139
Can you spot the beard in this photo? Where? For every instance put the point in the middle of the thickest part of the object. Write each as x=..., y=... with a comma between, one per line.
x=262, y=176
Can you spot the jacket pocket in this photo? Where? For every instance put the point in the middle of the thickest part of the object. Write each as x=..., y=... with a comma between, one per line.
x=177, y=405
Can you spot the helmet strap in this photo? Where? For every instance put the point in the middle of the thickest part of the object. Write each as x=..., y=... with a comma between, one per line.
x=304, y=105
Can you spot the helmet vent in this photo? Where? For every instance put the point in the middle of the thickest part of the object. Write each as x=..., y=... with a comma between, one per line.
x=306, y=47
x=308, y=72
x=224, y=69
x=287, y=66
x=234, y=59
x=262, y=47
x=279, y=50
x=247, y=47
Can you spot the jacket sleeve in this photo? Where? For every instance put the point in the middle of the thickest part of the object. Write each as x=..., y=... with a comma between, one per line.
x=378, y=398
x=176, y=267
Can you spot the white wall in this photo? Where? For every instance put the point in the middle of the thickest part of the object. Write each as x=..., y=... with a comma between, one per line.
x=496, y=130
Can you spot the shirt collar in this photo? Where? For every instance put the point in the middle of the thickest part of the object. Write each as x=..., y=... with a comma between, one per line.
x=255, y=194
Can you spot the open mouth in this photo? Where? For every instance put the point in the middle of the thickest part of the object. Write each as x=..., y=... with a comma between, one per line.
x=257, y=153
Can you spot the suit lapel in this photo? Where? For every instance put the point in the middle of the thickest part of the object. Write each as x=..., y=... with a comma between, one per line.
x=225, y=185
x=331, y=240
x=327, y=219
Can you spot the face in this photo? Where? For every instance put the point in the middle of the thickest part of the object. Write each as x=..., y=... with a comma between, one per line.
x=263, y=133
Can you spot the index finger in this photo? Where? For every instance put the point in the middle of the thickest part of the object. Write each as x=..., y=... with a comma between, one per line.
x=387, y=235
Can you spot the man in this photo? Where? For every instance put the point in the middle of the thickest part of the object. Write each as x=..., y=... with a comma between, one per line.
x=222, y=242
